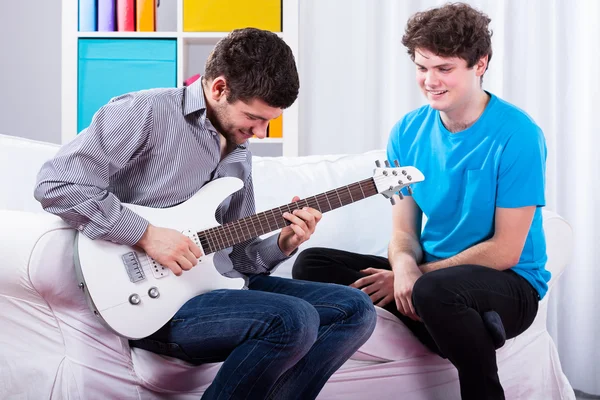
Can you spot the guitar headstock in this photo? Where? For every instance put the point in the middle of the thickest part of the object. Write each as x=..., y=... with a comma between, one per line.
x=389, y=180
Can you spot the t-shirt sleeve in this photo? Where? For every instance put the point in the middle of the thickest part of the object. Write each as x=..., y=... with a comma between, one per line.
x=522, y=170
x=393, y=146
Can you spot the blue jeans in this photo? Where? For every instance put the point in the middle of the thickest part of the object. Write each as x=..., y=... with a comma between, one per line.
x=282, y=339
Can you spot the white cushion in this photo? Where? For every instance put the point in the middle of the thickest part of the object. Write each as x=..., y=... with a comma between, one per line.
x=20, y=161
x=170, y=375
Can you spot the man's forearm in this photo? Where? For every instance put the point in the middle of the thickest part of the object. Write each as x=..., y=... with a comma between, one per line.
x=488, y=254
x=403, y=246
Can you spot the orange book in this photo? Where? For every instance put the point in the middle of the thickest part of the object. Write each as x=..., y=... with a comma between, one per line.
x=145, y=15
x=275, y=129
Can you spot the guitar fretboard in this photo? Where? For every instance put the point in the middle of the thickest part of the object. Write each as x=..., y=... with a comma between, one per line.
x=231, y=233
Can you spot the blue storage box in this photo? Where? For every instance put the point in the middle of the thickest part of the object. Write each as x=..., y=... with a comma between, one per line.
x=111, y=67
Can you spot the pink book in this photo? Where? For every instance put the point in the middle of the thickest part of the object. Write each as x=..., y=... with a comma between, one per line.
x=125, y=15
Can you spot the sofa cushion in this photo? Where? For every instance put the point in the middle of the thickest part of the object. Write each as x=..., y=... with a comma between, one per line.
x=25, y=156
x=390, y=341
x=170, y=375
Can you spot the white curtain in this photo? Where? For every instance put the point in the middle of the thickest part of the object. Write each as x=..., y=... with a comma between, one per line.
x=357, y=81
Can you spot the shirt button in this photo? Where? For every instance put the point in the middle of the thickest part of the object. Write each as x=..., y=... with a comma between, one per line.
x=80, y=227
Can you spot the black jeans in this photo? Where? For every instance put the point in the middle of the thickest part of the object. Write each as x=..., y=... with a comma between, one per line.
x=450, y=303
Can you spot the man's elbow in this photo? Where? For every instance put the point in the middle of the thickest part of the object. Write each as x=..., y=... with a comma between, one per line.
x=43, y=193
x=509, y=254
x=511, y=260
x=38, y=193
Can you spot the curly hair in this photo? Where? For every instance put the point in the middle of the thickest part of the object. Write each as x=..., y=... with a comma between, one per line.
x=452, y=30
x=256, y=64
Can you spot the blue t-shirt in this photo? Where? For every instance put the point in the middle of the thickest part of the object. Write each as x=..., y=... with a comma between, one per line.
x=497, y=162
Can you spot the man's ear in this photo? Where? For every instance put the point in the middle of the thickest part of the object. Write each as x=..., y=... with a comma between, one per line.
x=481, y=65
x=218, y=86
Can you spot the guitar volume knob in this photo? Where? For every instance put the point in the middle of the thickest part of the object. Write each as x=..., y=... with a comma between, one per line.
x=135, y=299
x=153, y=292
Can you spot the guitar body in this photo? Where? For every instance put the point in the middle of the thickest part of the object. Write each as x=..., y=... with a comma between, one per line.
x=111, y=274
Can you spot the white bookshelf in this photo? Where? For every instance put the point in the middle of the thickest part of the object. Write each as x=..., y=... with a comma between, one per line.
x=191, y=49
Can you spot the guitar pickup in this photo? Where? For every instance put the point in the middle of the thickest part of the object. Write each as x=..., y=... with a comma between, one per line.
x=157, y=269
x=133, y=267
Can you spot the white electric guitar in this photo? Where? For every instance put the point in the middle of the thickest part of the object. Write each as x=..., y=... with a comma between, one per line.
x=134, y=295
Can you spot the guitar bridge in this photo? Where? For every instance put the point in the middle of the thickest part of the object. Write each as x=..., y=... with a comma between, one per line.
x=133, y=267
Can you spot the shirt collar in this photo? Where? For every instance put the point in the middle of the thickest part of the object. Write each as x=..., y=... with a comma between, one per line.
x=193, y=98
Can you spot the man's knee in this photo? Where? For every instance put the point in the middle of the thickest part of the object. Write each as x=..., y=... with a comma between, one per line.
x=356, y=307
x=297, y=322
x=365, y=310
x=430, y=293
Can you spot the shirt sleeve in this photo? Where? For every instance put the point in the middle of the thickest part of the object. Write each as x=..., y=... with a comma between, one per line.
x=393, y=145
x=257, y=255
x=522, y=170
x=75, y=183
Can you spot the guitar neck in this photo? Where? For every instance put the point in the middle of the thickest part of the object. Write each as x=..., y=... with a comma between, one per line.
x=232, y=233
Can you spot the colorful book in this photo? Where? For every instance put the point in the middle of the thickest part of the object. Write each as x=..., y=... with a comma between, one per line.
x=126, y=15
x=275, y=129
x=145, y=11
x=87, y=16
x=107, y=16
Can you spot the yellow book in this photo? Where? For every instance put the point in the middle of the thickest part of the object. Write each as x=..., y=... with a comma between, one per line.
x=145, y=15
x=275, y=129
x=227, y=15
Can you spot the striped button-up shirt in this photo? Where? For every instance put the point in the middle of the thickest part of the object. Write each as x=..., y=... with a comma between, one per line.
x=154, y=148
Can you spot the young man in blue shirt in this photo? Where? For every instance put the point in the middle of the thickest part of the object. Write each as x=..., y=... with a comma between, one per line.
x=474, y=273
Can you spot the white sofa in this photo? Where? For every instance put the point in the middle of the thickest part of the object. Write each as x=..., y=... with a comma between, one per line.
x=52, y=346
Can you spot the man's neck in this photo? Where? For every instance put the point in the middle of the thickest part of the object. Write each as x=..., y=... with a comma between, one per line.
x=226, y=146
x=465, y=116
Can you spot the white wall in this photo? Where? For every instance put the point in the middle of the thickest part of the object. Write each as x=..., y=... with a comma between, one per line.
x=30, y=52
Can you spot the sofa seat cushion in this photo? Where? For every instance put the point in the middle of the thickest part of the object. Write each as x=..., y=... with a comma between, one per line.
x=391, y=341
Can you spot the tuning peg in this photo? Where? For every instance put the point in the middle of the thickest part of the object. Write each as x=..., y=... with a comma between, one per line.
x=400, y=195
x=396, y=163
x=387, y=163
x=377, y=163
x=409, y=189
x=393, y=201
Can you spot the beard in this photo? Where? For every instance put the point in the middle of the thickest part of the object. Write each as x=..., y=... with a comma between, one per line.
x=222, y=123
